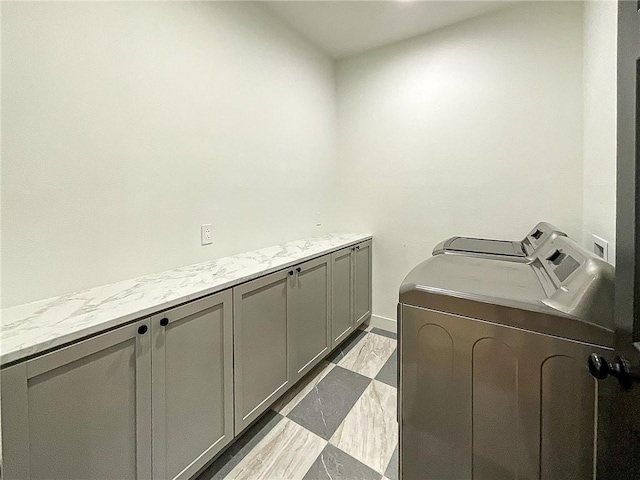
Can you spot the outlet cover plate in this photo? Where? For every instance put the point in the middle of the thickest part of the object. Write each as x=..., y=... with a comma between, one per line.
x=600, y=247
x=206, y=236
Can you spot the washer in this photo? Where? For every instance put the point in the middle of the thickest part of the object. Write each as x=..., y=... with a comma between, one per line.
x=493, y=381
x=516, y=251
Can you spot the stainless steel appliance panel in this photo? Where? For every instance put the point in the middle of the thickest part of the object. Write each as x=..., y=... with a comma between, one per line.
x=486, y=401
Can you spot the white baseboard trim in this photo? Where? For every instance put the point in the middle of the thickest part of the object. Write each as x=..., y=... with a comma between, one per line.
x=384, y=323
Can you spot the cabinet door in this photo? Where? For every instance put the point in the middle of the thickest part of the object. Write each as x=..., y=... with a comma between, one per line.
x=83, y=411
x=261, y=371
x=309, y=315
x=192, y=369
x=341, y=295
x=362, y=290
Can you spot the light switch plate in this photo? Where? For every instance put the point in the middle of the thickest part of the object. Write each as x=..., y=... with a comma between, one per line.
x=205, y=234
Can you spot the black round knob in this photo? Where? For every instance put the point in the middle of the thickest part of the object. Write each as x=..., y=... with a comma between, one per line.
x=164, y=322
x=598, y=366
x=358, y=247
x=620, y=368
x=353, y=249
x=142, y=329
x=298, y=269
x=290, y=272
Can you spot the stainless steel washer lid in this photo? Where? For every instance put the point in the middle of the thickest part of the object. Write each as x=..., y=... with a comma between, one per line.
x=484, y=246
x=530, y=296
x=479, y=279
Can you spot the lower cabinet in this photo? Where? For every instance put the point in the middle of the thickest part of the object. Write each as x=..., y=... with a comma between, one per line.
x=350, y=290
x=83, y=411
x=160, y=397
x=281, y=331
x=86, y=411
x=362, y=282
x=342, y=323
x=192, y=371
x=309, y=315
x=261, y=367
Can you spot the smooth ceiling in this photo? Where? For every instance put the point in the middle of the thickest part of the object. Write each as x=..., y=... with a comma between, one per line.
x=344, y=28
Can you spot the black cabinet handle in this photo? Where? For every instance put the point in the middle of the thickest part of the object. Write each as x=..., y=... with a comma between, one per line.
x=290, y=272
x=358, y=247
x=353, y=249
x=142, y=329
x=164, y=322
x=298, y=269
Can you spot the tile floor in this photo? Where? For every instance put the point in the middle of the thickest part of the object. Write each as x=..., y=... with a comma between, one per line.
x=337, y=423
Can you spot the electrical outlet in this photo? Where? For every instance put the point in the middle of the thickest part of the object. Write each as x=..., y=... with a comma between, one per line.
x=205, y=234
x=600, y=247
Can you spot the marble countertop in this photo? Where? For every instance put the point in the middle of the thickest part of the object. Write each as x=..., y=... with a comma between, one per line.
x=29, y=329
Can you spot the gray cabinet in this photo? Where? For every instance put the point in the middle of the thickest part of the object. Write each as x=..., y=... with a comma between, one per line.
x=351, y=290
x=192, y=371
x=309, y=315
x=200, y=373
x=83, y=411
x=261, y=369
x=86, y=411
x=362, y=282
x=281, y=331
x=342, y=323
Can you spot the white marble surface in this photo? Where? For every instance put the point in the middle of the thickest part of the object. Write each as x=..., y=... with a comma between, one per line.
x=34, y=327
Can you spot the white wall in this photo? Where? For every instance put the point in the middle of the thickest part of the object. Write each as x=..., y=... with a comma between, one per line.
x=600, y=110
x=127, y=125
x=475, y=129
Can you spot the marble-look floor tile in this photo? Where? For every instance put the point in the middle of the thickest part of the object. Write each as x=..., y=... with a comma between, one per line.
x=345, y=347
x=369, y=355
x=290, y=399
x=286, y=452
x=329, y=402
x=369, y=432
x=392, y=472
x=241, y=447
x=334, y=464
x=384, y=333
x=389, y=372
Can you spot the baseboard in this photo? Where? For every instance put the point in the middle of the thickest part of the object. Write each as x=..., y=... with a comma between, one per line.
x=384, y=323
